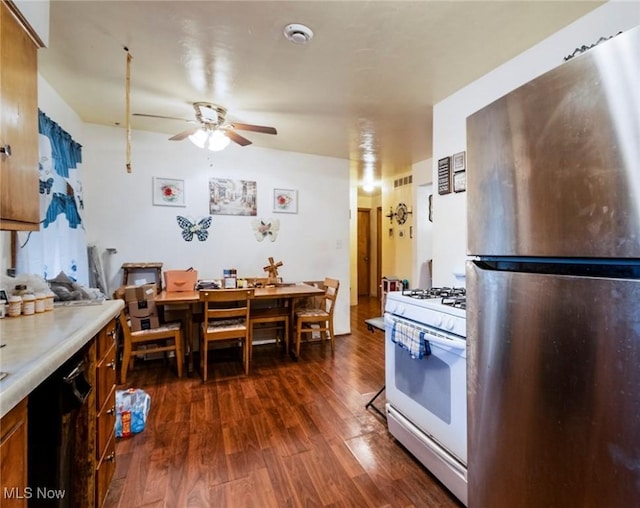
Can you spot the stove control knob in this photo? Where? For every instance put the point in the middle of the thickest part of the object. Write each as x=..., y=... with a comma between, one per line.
x=391, y=307
x=401, y=309
x=438, y=320
x=450, y=324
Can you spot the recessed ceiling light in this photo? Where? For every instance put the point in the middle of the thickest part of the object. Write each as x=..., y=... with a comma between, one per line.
x=297, y=33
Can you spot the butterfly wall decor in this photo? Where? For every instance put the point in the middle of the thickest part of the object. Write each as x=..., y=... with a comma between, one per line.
x=265, y=228
x=191, y=228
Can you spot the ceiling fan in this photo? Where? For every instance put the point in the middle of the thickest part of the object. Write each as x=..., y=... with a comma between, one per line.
x=212, y=131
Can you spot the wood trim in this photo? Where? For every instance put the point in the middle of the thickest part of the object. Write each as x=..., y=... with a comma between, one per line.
x=379, y=250
x=13, y=9
x=14, y=248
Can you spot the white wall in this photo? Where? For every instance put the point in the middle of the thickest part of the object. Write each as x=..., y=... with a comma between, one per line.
x=50, y=102
x=422, y=228
x=36, y=12
x=119, y=213
x=449, y=117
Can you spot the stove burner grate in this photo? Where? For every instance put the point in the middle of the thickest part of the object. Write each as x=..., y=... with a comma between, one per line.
x=459, y=302
x=442, y=292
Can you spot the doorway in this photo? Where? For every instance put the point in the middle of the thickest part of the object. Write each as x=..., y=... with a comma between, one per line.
x=364, y=251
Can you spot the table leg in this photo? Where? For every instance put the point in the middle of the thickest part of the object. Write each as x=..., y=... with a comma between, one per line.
x=189, y=339
x=292, y=328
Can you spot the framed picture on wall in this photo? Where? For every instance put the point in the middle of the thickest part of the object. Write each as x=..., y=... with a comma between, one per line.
x=233, y=197
x=459, y=162
x=460, y=181
x=168, y=192
x=444, y=175
x=285, y=201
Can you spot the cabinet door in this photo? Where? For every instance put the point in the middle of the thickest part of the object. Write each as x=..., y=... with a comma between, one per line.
x=19, y=176
x=13, y=457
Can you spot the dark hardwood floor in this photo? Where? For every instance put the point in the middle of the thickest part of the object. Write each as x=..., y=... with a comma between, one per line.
x=293, y=433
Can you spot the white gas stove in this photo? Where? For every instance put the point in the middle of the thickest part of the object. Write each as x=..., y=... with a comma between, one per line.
x=426, y=384
x=440, y=308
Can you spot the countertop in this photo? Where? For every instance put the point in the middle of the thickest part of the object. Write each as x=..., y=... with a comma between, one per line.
x=37, y=345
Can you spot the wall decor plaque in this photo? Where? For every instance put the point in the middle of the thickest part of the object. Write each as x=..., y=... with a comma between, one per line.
x=459, y=181
x=444, y=175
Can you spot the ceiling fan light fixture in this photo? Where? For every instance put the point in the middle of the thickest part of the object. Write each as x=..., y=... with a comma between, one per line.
x=213, y=140
x=198, y=138
x=217, y=141
x=298, y=33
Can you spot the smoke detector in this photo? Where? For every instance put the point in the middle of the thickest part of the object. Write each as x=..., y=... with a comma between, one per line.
x=297, y=33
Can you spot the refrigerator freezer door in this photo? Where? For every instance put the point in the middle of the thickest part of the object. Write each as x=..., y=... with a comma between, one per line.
x=554, y=166
x=554, y=390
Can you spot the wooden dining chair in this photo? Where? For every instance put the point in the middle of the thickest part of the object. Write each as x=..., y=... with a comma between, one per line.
x=226, y=318
x=276, y=316
x=166, y=338
x=318, y=319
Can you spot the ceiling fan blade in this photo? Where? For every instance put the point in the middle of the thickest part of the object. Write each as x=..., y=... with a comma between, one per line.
x=254, y=128
x=162, y=117
x=184, y=134
x=237, y=138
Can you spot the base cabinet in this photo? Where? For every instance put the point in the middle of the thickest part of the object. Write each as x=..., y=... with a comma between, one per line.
x=61, y=437
x=13, y=457
x=105, y=411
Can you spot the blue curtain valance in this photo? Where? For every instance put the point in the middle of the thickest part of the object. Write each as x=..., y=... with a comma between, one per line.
x=66, y=152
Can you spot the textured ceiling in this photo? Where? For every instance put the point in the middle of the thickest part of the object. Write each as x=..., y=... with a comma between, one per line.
x=361, y=89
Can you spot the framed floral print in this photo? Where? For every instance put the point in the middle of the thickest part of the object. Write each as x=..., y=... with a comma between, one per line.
x=285, y=201
x=168, y=192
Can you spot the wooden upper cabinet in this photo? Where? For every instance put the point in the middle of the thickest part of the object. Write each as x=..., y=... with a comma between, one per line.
x=19, y=176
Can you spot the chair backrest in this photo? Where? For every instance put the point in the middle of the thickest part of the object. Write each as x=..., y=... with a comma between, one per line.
x=331, y=287
x=226, y=303
x=312, y=302
x=124, y=325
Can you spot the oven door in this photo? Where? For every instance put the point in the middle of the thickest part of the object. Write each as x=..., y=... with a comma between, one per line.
x=430, y=392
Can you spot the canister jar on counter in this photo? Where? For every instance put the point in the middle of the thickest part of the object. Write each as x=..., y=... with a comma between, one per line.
x=15, y=306
x=20, y=290
x=40, y=302
x=48, y=300
x=28, y=305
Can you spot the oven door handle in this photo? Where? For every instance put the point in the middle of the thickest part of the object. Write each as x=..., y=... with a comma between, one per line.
x=442, y=341
x=453, y=342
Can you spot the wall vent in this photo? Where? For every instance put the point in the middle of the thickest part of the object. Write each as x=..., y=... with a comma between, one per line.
x=405, y=180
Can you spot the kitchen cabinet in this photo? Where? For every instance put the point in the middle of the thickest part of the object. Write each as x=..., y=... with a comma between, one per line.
x=13, y=456
x=19, y=175
x=105, y=410
x=78, y=434
x=94, y=448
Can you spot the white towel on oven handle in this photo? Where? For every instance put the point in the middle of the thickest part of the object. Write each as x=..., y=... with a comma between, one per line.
x=411, y=339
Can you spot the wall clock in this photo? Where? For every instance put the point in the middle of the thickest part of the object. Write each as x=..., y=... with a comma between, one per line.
x=402, y=213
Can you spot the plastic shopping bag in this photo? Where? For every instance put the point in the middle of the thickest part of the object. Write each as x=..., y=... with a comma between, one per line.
x=132, y=408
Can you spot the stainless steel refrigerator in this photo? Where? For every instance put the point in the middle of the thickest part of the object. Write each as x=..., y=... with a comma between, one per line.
x=553, y=287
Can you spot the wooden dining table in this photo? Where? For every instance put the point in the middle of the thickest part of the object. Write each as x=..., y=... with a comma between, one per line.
x=189, y=302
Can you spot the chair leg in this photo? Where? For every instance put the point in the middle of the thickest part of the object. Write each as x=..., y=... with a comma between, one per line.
x=247, y=354
x=203, y=360
x=179, y=355
x=298, y=338
x=126, y=356
x=250, y=342
x=331, y=334
x=286, y=337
